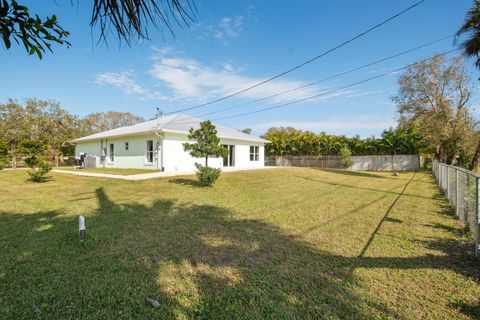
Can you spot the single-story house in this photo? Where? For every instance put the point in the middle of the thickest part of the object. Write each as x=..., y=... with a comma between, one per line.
x=157, y=145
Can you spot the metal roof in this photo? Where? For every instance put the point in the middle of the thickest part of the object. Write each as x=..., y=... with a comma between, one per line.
x=179, y=123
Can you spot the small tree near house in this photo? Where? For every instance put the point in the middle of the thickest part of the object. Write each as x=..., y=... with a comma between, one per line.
x=38, y=167
x=207, y=145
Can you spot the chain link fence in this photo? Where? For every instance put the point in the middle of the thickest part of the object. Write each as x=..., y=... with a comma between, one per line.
x=461, y=187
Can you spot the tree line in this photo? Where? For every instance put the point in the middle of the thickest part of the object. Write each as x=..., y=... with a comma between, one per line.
x=435, y=119
x=47, y=123
x=290, y=141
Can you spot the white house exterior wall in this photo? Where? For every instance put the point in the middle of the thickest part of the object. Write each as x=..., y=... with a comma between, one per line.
x=174, y=157
x=134, y=157
x=242, y=153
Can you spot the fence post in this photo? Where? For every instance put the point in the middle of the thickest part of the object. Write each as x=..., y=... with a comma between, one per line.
x=440, y=167
x=456, y=192
x=477, y=211
x=448, y=185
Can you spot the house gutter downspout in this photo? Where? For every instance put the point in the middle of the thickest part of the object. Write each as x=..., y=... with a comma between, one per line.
x=160, y=136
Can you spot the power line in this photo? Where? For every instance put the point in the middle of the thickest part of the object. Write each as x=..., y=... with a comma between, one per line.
x=335, y=90
x=329, y=92
x=328, y=78
x=303, y=63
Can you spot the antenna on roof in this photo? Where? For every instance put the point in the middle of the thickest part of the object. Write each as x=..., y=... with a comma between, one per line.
x=159, y=113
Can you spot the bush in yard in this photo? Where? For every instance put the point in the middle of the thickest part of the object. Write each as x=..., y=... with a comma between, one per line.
x=38, y=172
x=207, y=145
x=346, y=154
x=39, y=168
x=207, y=175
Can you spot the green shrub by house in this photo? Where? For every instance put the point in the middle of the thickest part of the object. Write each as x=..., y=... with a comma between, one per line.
x=207, y=145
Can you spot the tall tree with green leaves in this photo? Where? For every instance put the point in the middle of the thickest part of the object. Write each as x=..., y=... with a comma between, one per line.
x=435, y=96
x=15, y=127
x=103, y=121
x=3, y=155
x=37, y=120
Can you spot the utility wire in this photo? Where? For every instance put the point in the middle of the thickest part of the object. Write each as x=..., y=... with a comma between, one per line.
x=335, y=90
x=330, y=91
x=328, y=78
x=302, y=64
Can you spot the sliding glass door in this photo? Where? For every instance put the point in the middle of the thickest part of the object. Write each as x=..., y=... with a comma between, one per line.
x=229, y=160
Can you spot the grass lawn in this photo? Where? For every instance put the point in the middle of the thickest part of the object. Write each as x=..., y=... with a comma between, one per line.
x=123, y=172
x=281, y=244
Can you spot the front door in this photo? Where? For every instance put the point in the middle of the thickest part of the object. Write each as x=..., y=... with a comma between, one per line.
x=229, y=160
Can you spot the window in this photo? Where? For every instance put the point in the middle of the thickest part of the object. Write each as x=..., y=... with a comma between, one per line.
x=126, y=146
x=111, y=154
x=254, y=150
x=149, y=153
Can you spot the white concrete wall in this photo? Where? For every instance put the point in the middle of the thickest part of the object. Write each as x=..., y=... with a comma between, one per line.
x=242, y=153
x=174, y=157
x=91, y=148
x=384, y=163
x=134, y=157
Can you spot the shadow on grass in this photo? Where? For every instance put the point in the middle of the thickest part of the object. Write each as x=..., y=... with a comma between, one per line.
x=343, y=185
x=197, y=260
x=458, y=232
x=470, y=310
x=188, y=182
x=385, y=217
x=375, y=174
x=365, y=174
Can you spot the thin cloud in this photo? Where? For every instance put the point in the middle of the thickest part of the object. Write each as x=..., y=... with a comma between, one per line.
x=226, y=29
x=190, y=80
x=187, y=81
x=125, y=81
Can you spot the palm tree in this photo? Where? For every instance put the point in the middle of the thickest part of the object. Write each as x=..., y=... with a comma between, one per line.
x=471, y=27
x=357, y=145
x=372, y=146
x=393, y=141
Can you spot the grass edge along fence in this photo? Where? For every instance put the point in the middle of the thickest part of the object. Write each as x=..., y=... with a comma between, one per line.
x=462, y=190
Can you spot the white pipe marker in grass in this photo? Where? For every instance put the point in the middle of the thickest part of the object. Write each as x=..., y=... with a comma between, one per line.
x=81, y=227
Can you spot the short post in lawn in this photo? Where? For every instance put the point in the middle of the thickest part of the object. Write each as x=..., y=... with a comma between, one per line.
x=81, y=228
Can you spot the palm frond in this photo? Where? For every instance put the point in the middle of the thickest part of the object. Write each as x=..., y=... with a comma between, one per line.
x=130, y=19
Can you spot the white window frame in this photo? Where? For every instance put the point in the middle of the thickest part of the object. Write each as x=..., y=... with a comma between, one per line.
x=147, y=152
x=255, y=154
x=111, y=153
x=127, y=146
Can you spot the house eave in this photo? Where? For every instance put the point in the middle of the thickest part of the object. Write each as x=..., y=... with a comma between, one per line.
x=185, y=133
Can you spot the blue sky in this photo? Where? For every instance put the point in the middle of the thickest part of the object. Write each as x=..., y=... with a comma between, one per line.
x=235, y=44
